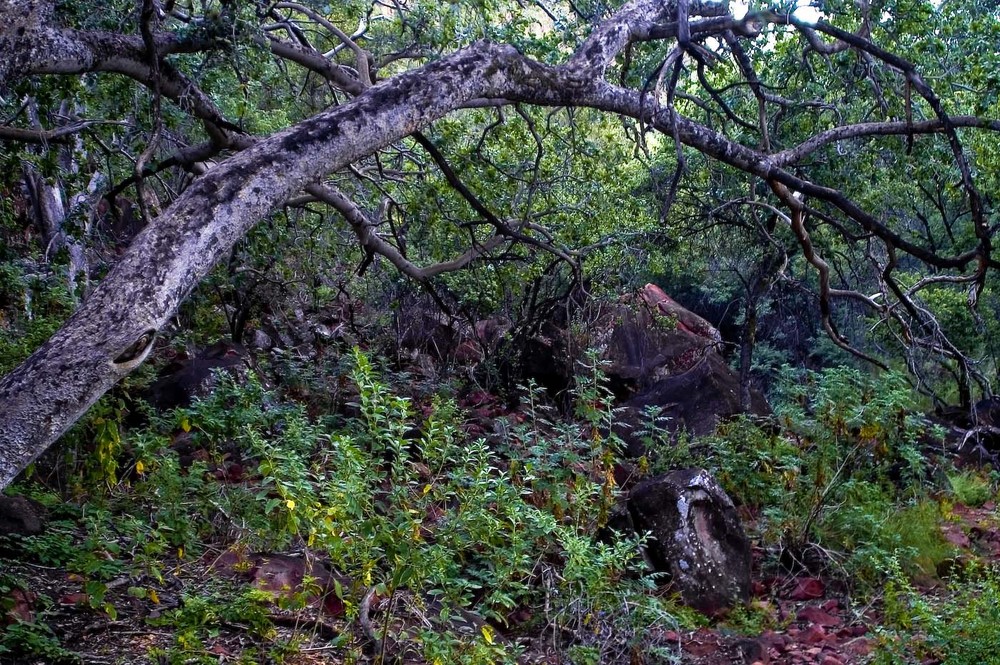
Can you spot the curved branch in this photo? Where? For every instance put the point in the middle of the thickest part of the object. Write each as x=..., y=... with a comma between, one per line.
x=364, y=229
x=713, y=144
x=360, y=55
x=49, y=50
x=503, y=228
x=823, y=269
x=864, y=129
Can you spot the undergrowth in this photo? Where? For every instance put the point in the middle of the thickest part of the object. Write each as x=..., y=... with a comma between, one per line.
x=841, y=484
x=456, y=544
x=441, y=544
x=958, y=626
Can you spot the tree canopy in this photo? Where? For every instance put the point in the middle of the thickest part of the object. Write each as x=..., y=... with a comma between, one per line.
x=845, y=149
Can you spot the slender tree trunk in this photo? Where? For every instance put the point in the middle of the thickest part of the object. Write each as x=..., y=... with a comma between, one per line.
x=748, y=338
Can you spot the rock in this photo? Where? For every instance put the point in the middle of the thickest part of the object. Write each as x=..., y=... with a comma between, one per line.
x=686, y=320
x=751, y=651
x=657, y=353
x=704, y=392
x=20, y=516
x=814, y=634
x=816, y=615
x=955, y=535
x=653, y=352
x=182, y=381
x=696, y=538
x=261, y=341
x=807, y=588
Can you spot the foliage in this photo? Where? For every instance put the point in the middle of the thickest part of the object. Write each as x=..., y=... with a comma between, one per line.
x=32, y=307
x=959, y=627
x=398, y=501
x=397, y=497
x=202, y=616
x=431, y=515
x=843, y=471
x=34, y=640
x=971, y=488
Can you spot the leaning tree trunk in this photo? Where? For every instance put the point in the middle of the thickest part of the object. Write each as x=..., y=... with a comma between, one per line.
x=113, y=330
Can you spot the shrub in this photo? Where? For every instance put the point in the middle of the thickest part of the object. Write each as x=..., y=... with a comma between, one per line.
x=840, y=469
x=960, y=627
x=408, y=509
x=970, y=488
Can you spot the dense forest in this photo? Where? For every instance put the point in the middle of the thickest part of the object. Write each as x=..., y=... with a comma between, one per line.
x=499, y=331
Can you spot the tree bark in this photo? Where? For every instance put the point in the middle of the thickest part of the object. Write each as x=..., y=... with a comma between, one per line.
x=112, y=332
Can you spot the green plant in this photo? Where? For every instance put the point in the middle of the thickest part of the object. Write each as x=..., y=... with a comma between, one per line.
x=839, y=472
x=753, y=619
x=873, y=530
x=21, y=641
x=970, y=488
x=433, y=516
x=56, y=546
x=960, y=627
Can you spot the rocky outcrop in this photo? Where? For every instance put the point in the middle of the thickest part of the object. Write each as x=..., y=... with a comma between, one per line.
x=687, y=321
x=659, y=354
x=696, y=538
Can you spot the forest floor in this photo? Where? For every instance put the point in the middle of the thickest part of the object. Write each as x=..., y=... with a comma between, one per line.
x=795, y=619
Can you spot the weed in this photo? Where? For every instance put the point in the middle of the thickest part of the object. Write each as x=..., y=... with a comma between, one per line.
x=961, y=627
x=34, y=640
x=970, y=488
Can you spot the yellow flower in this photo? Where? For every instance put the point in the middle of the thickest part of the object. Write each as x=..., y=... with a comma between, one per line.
x=290, y=504
x=140, y=468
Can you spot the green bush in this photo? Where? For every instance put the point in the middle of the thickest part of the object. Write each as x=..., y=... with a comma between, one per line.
x=408, y=508
x=970, y=488
x=839, y=473
x=958, y=627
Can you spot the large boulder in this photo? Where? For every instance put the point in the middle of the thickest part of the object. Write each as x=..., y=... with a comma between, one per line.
x=687, y=321
x=697, y=398
x=657, y=353
x=696, y=538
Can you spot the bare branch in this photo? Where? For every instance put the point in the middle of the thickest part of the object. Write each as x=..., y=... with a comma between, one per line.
x=371, y=241
x=822, y=268
x=866, y=129
x=361, y=56
x=58, y=135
